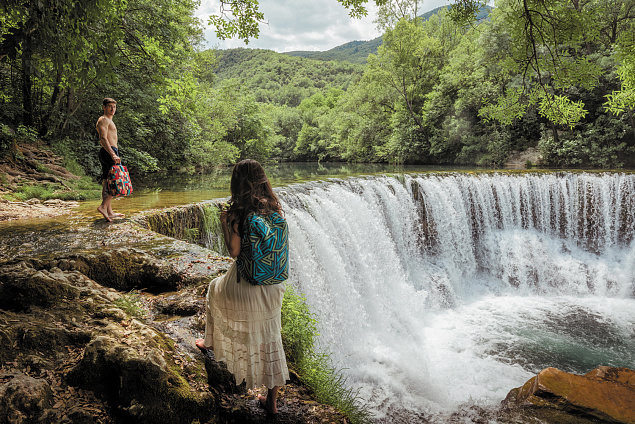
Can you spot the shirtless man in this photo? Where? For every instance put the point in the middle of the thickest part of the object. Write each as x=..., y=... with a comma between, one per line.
x=108, y=155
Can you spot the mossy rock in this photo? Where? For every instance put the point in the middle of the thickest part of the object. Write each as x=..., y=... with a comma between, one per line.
x=23, y=287
x=143, y=387
x=123, y=269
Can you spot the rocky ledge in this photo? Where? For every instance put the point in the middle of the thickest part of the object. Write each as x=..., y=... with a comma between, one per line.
x=34, y=208
x=71, y=351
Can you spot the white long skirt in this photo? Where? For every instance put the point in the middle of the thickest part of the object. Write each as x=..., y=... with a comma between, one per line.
x=243, y=329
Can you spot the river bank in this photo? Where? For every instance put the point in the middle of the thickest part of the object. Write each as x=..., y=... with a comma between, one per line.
x=35, y=209
x=74, y=350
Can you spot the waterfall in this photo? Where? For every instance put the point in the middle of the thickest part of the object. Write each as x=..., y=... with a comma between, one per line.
x=441, y=290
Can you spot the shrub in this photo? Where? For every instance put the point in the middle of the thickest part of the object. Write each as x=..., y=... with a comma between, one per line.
x=26, y=134
x=137, y=160
x=6, y=139
x=82, y=189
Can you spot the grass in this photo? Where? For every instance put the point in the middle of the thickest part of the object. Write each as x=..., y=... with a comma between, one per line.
x=316, y=370
x=131, y=304
x=82, y=189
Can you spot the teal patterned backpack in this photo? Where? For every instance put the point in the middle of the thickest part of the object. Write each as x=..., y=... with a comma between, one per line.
x=264, y=250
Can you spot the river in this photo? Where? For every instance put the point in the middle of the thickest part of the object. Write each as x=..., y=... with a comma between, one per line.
x=435, y=290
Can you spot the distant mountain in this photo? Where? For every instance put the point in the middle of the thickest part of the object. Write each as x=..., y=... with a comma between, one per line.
x=281, y=79
x=358, y=51
x=353, y=52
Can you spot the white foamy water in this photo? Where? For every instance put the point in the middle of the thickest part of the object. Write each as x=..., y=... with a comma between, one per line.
x=439, y=291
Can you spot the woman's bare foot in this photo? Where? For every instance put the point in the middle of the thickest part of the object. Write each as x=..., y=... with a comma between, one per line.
x=104, y=213
x=116, y=215
x=271, y=407
x=200, y=343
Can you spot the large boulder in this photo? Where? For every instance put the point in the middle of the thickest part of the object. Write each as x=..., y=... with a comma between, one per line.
x=24, y=399
x=22, y=287
x=123, y=269
x=141, y=380
x=605, y=393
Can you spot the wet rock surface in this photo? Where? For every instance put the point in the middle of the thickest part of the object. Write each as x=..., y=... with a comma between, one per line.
x=605, y=394
x=34, y=208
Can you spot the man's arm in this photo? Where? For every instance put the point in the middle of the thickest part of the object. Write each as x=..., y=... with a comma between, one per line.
x=102, y=129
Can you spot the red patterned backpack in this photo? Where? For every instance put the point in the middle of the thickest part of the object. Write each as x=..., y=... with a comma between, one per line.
x=119, y=181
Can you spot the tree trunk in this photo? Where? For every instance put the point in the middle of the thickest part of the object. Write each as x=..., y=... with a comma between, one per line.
x=554, y=128
x=27, y=99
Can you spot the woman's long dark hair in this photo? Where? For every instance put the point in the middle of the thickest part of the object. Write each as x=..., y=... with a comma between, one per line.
x=251, y=193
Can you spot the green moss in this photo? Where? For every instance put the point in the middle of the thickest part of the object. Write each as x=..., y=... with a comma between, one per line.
x=191, y=234
x=82, y=189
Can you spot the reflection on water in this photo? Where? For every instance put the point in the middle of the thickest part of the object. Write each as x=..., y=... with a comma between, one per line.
x=167, y=189
x=84, y=226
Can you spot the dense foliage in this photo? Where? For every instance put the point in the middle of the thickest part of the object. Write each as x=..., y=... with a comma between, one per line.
x=446, y=88
x=547, y=74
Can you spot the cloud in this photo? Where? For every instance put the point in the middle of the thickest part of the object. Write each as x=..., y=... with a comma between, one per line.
x=314, y=25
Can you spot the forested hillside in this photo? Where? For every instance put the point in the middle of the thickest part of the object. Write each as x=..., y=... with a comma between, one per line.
x=451, y=89
x=353, y=52
x=284, y=80
x=436, y=92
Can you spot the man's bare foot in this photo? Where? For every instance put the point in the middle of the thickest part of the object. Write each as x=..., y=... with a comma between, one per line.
x=264, y=402
x=103, y=212
x=200, y=343
x=116, y=215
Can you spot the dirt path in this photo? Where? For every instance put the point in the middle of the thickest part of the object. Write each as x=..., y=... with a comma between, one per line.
x=33, y=164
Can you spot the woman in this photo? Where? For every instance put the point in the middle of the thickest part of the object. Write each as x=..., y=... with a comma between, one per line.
x=243, y=320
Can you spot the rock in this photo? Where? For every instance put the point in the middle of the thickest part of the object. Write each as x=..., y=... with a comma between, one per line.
x=22, y=287
x=33, y=201
x=123, y=269
x=605, y=393
x=69, y=354
x=518, y=159
x=142, y=385
x=24, y=399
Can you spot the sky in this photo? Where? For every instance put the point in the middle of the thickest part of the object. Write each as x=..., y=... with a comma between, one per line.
x=314, y=25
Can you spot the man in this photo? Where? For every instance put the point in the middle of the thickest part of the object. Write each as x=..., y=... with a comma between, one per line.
x=108, y=155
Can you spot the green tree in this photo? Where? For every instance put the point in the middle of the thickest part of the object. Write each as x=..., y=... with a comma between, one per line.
x=408, y=62
x=59, y=48
x=316, y=139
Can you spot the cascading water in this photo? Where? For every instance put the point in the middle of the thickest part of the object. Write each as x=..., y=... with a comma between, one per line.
x=438, y=291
